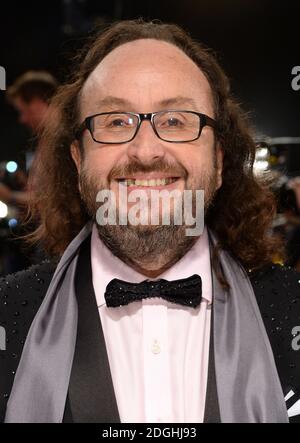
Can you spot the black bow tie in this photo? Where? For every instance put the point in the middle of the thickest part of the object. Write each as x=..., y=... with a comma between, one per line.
x=186, y=291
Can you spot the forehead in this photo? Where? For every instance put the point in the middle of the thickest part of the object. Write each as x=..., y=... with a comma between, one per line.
x=145, y=73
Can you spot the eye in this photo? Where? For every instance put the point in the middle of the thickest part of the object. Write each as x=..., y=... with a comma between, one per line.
x=117, y=122
x=170, y=121
x=173, y=122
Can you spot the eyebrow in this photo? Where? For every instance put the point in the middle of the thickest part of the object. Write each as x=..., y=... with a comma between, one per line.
x=111, y=101
x=179, y=100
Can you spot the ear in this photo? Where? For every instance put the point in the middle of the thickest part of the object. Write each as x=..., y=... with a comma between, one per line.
x=76, y=155
x=219, y=161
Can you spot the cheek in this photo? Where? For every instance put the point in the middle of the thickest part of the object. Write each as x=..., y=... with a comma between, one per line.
x=199, y=162
x=98, y=162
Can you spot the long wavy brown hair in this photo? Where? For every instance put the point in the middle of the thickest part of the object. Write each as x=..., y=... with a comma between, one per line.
x=243, y=208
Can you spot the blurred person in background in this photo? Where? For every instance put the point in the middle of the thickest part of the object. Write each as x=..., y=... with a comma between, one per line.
x=290, y=202
x=286, y=224
x=30, y=95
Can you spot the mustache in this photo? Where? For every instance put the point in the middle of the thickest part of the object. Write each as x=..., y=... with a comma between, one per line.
x=156, y=166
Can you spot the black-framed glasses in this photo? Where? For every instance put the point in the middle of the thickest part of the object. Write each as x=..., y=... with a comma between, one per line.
x=173, y=126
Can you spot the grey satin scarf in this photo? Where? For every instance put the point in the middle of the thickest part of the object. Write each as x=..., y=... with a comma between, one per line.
x=248, y=385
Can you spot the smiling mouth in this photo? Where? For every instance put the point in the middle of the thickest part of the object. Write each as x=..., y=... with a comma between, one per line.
x=148, y=183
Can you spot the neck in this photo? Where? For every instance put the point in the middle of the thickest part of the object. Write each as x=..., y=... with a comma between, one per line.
x=148, y=271
x=148, y=251
x=159, y=264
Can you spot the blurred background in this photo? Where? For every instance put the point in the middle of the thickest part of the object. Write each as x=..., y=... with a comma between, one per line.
x=256, y=42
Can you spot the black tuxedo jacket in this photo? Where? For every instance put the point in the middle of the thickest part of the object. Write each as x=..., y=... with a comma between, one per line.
x=277, y=290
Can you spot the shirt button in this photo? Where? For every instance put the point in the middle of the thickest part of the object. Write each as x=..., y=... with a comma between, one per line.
x=156, y=347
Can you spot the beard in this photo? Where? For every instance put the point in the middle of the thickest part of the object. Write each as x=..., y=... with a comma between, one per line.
x=146, y=248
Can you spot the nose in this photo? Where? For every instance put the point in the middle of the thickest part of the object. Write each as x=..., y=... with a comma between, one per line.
x=146, y=147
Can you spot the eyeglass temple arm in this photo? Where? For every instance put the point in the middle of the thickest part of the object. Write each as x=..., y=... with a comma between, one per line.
x=84, y=125
x=207, y=121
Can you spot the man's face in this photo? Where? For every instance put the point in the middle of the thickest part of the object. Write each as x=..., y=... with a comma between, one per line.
x=146, y=76
x=31, y=114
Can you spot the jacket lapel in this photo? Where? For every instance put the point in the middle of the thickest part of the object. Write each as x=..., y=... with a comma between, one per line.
x=212, y=411
x=91, y=397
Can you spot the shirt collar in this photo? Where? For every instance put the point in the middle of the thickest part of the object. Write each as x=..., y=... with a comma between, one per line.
x=106, y=266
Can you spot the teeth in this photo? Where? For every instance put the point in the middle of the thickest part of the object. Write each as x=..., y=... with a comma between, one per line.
x=152, y=182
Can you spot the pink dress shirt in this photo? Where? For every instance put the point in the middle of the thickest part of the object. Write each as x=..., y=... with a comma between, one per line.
x=157, y=350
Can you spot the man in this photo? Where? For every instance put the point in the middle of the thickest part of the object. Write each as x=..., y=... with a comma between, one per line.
x=30, y=95
x=141, y=322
